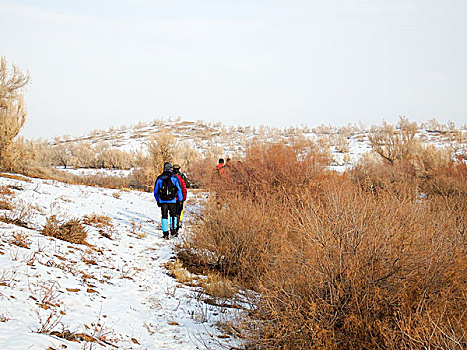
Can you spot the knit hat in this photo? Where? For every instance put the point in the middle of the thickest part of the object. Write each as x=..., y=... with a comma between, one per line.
x=167, y=166
x=176, y=167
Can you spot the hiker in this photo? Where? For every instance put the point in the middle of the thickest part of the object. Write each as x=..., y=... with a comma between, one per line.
x=168, y=193
x=183, y=184
x=219, y=171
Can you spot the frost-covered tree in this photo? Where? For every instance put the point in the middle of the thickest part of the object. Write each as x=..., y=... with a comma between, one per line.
x=12, y=111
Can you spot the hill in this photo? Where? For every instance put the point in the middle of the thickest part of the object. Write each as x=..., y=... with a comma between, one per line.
x=345, y=144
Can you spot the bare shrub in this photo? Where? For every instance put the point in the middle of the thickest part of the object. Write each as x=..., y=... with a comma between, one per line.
x=394, y=144
x=60, y=154
x=83, y=156
x=200, y=172
x=5, y=198
x=12, y=111
x=21, y=240
x=20, y=213
x=323, y=129
x=96, y=220
x=101, y=222
x=341, y=143
x=71, y=231
x=20, y=155
x=46, y=294
x=236, y=247
x=5, y=205
x=447, y=180
x=102, y=180
x=99, y=333
x=430, y=170
x=5, y=191
x=111, y=158
x=218, y=286
x=180, y=273
x=339, y=264
x=7, y=277
x=269, y=168
x=185, y=155
x=434, y=126
x=48, y=322
x=143, y=177
x=161, y=149
x=360, y=259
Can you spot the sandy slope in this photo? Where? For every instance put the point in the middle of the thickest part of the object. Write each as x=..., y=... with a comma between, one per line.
x=116, y=287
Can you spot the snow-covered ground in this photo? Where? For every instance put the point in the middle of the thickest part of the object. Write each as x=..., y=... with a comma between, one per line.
x=117, y=290
x=102, y=172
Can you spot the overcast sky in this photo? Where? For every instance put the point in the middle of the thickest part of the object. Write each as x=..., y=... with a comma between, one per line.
x=96, y=64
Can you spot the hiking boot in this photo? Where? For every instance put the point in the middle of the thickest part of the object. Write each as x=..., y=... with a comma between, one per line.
x=174, y=233
x=165, y=235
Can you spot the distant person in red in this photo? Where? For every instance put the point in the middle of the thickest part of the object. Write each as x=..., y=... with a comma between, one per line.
x=219, y=173
x=182, y=180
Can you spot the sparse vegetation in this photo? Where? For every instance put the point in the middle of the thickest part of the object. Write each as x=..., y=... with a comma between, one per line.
x=218, y=286
x=372, y=259
x=180, y=273
x=394, y=144
x=19, y=213
x=12, y=112
x=71, y=231
x=96, y=220
x=21, y=240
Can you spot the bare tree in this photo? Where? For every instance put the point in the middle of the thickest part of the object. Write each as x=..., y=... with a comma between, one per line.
x=392, y=143
x=61, y=155
x=161, y=149
x=12, y=111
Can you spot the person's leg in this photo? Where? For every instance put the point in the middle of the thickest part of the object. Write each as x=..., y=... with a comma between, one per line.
x=165, y=219
x=178, y=221
x=179, y=216
x=173, y=218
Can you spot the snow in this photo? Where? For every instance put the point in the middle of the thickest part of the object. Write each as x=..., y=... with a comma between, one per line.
x=102, y=172
x=119, y=284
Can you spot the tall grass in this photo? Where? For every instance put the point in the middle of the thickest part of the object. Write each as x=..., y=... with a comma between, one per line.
x=339, y=262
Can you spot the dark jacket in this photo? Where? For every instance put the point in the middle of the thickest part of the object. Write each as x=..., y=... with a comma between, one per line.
x=187, y=183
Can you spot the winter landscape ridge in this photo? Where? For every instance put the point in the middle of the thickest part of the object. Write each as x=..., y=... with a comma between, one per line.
x=321, y=205
x=346, y=143
x=119, y=290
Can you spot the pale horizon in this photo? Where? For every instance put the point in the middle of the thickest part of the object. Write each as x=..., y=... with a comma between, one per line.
x=276, y=63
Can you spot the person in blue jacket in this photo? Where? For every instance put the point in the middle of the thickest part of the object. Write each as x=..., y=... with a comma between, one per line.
x=168, y=194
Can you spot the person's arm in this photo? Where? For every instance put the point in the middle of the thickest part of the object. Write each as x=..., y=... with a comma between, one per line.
x=183, y=185
x=185, y=178
x=176, y=182
x=156, y=190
